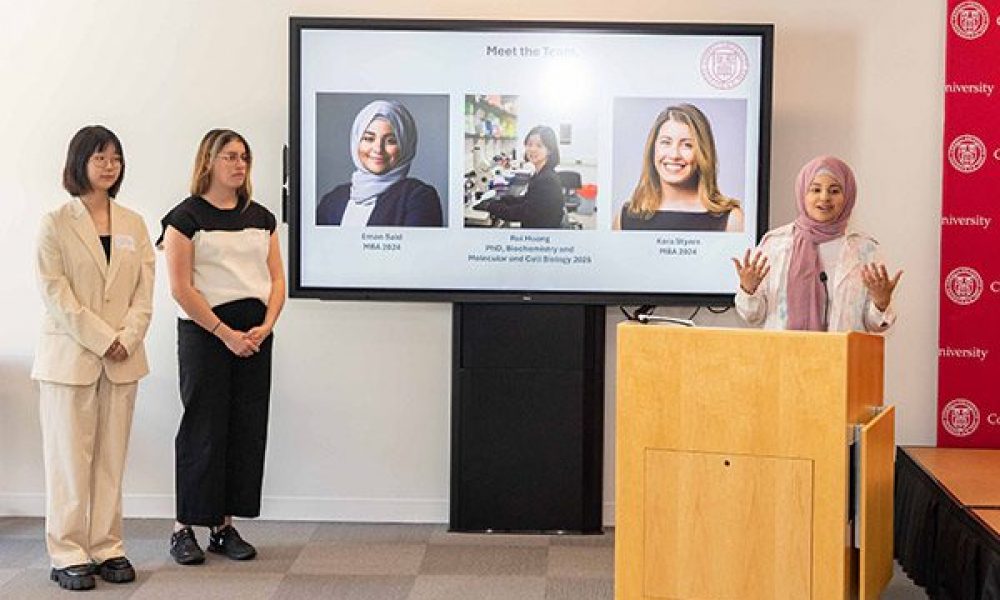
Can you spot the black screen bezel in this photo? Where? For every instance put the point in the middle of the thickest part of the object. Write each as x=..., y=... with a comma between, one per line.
x=292, y=209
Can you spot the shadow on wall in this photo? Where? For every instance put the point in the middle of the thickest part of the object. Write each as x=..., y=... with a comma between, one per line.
x=21, y=473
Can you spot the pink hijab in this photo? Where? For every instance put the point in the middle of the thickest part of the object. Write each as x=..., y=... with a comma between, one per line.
x=806, y=296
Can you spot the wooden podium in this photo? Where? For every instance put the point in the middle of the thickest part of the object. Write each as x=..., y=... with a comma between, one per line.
x=734, y=468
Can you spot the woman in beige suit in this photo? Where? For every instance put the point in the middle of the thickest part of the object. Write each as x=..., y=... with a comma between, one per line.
x=95, y=271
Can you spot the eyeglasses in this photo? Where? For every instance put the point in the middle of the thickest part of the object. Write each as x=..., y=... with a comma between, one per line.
x=232, y=157
x=101, y=161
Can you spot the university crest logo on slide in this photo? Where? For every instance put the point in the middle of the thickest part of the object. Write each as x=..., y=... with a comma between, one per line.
x=969, y=20
x=967, y=153
x=963, y=286
x=724, y=65
x=960, y=417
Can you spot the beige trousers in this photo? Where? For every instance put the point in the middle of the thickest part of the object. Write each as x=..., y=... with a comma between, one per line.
x=85, y=431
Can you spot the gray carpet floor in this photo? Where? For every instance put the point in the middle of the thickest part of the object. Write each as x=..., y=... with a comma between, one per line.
x=352, y=561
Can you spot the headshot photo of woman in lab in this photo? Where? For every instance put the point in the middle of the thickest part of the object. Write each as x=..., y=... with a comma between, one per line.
x=383, y=145
x=678, y=189
x=542, y=206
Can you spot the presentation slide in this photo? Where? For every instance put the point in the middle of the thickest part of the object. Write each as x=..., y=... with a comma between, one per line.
x=526, y=160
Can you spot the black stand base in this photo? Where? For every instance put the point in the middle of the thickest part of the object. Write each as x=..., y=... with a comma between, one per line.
x=527, y=418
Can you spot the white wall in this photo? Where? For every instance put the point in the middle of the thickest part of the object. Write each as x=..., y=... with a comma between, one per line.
x=360, y=416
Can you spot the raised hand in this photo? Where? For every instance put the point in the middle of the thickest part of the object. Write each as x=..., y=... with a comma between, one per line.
x=751, y=270
x=880, y=285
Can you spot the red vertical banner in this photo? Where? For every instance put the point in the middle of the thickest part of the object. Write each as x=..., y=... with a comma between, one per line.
x=969, y=341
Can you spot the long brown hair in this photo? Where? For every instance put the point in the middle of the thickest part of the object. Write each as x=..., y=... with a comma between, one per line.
x=646, y=197
x=208, y=150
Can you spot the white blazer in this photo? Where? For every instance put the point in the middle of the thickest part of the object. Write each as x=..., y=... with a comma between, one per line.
x=89, y=302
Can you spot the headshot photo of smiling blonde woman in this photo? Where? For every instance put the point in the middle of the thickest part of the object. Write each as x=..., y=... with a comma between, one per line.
x=687, y=173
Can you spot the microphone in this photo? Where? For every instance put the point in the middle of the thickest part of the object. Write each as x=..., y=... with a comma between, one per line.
x=826, y=300
x=649, y=318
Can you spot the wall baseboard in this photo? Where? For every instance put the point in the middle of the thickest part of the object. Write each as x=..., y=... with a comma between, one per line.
x=22, y=505
x=279, y=508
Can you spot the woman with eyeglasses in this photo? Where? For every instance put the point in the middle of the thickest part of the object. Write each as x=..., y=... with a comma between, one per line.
x=381, y=193
x=95, y=272
x=224, y=264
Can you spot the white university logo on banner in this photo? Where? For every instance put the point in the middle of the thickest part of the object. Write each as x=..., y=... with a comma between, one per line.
x=967, y=153
x=963, y=286
x=960, y=417
x=969, y=20
x=724, y=65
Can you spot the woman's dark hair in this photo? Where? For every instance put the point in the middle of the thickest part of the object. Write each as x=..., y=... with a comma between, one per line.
x=89, y=141
x=550, y=142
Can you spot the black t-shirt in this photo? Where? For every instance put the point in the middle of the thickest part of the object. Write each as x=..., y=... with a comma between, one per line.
x=106, y=244
x=196, y=214
x=231, y=248
x=671, y=220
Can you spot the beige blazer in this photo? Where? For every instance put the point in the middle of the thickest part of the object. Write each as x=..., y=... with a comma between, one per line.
x=88, y=302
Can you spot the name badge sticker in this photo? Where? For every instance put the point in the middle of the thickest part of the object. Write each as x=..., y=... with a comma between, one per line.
x=124, y=242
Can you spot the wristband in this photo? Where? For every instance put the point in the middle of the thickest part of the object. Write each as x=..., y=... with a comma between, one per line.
x=212, y=330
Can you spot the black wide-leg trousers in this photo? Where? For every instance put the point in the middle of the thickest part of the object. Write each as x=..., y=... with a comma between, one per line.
x=219, y=448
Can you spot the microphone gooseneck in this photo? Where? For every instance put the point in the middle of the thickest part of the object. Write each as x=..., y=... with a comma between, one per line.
x=826, y=300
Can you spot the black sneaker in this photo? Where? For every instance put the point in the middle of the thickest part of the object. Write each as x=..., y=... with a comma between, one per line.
x=74, y=577
x=185, y=549
x=116, y=570
x=228, y=541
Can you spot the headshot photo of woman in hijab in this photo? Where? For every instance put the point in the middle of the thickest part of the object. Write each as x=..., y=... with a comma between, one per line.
x=383, y=146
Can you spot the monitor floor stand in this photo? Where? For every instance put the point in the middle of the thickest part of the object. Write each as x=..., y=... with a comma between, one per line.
x=527, y=450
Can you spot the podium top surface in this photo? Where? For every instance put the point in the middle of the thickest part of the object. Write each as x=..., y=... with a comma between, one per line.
x=823, y=377
x=630, y=326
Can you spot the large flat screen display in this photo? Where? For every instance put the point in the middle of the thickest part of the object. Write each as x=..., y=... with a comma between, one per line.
x=607, y=163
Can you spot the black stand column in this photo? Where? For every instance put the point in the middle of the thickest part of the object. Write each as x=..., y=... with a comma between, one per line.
x=527, y=418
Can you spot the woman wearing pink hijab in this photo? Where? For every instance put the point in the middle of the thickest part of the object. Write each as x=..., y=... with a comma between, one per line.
x=815, y=274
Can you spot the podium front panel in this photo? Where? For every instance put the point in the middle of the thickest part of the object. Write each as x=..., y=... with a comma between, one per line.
x=727, y=526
